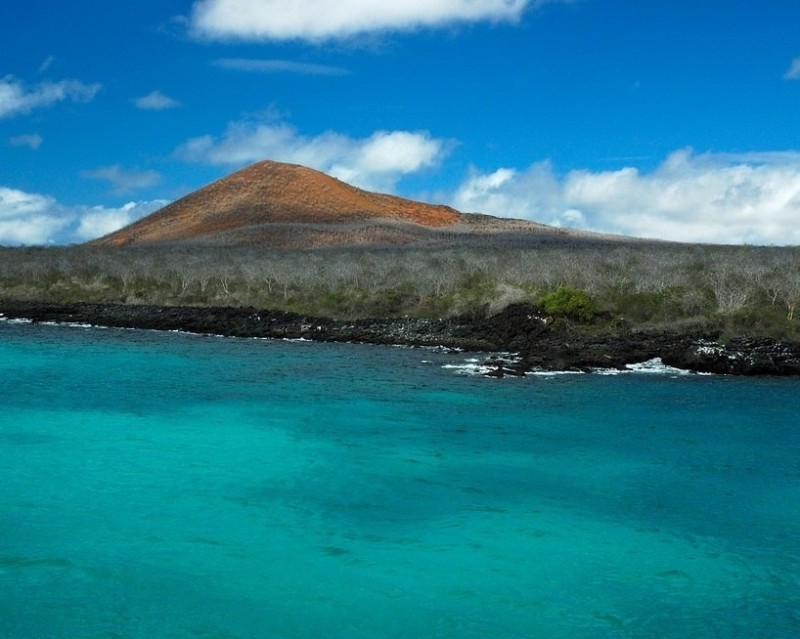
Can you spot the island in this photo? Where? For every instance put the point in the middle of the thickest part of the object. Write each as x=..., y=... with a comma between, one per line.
x=283, y=251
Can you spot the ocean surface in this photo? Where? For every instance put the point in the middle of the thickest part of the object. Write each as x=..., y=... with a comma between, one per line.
x=166, y=485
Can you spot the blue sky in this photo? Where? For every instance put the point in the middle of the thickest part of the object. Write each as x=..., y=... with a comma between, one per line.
x=678, y=120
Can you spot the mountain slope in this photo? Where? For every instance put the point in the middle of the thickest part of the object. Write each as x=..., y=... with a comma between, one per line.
x=273, y=194
x=288, y=206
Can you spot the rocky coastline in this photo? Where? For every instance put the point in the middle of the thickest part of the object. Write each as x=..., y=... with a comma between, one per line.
x=538, y=342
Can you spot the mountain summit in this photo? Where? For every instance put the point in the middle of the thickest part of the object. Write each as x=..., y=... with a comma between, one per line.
x=277, y=205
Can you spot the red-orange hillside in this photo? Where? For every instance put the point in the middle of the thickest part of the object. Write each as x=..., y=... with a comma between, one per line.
x=273, y=193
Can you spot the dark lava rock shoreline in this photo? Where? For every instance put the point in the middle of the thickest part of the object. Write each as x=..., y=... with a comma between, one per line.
x=539, y=342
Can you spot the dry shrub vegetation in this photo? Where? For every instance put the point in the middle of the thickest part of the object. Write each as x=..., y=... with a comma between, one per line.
x=743, y=289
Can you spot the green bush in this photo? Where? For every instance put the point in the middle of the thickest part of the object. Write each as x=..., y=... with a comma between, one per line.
x=401, y=297
x=569, y=302
x=645, y=306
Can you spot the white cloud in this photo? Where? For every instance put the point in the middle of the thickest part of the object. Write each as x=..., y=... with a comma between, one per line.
x=46, y=64
x=376, y=162
x=123, y=181
x=156, y=101
x=32, y=140
x=28, y=218
x=487, y=191
x=794, y=70
x=720, y=198
x=324, y=19
x=15, y=203
x=96, y=221
x=16, y=98
x=34, y=219
x=531, y=194
x=277, y=66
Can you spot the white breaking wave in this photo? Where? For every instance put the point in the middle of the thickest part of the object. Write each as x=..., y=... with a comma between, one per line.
x=472, y=366
x=71, y=324
x=652, y=367
x=541, y=373
x=21, y=320
x=655, y=366
x=486, y=366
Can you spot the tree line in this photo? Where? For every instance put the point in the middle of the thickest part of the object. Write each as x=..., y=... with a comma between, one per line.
x=647, y=283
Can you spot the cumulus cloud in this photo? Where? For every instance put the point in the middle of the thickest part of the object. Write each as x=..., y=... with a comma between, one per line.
x=793, y=73
x=32, y=140
x=156, y=101
x=123, y=181
x=376, y=162
x=34, y=219
x=93, y=222
x=28, y=218
x=324, y=19
x=720, y=198
x=18, y=99
x=530, y=194
x=277, y=66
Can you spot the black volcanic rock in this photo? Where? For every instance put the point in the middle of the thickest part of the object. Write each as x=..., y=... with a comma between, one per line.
x=536, y=340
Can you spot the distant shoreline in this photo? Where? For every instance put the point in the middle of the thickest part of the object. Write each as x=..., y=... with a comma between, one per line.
x=541, y=343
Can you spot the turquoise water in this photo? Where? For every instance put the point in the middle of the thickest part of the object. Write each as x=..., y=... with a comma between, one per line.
x=165, y=485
